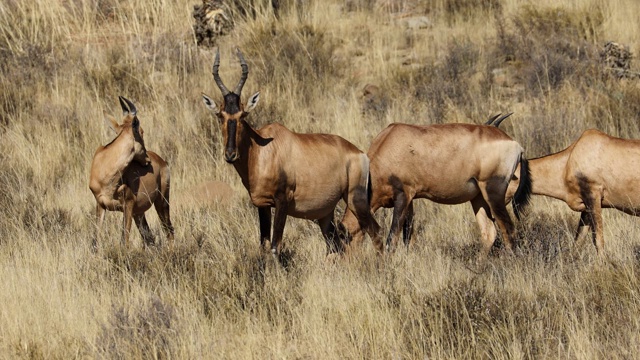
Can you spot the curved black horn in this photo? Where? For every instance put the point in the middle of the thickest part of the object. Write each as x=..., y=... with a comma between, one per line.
x=245, y=73
x=216, y=76
x=491, y=119
x=132, y=108
x=497, y=122
x=123, y=105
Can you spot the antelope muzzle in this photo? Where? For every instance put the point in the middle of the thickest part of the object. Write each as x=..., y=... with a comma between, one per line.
x=230, y=156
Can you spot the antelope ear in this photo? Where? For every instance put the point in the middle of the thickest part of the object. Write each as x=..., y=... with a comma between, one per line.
x=123, y=105
x=112, y=122
x=253, y=101
x=210, y=104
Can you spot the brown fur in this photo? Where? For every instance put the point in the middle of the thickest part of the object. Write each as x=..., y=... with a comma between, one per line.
x=597, y=171
x=448, y=164
x=126, y=177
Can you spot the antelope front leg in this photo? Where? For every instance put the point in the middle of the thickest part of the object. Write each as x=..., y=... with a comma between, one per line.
x=585, y=222
x=280, y=218
x=264, y=215
x=127, y=200
x=401, y=206
x=100, y=212
x=407, y=229
x=596, y=226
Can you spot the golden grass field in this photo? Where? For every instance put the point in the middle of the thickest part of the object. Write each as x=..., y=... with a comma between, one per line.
x=64, y=62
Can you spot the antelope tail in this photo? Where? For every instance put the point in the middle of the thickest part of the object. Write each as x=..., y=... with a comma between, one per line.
x=369, y=189
x=523, y=194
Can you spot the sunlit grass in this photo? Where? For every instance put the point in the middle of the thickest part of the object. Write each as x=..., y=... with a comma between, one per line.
x=215, y=295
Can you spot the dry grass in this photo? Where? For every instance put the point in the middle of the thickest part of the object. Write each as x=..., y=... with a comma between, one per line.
x=63, y=62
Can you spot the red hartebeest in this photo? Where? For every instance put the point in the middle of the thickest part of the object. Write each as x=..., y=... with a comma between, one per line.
x=595, y=172
x=301, y=175
x=126, y=177
x=448, y=164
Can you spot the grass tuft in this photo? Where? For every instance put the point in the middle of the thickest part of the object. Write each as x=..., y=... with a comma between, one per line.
x=348, y=68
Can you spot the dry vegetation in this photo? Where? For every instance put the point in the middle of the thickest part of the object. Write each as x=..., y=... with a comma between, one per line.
x=63, y=62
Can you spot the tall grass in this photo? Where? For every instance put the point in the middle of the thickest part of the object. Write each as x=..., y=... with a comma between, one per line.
x=62, y=63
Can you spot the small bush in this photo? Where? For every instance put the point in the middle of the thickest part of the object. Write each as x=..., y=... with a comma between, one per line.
x=116, y=73
x=615, y=108
x=147, y=332
x=468, y=9
x=440, y=86
x=545, y=237
x=211, y=22
x=545, y=48
x=299, y=55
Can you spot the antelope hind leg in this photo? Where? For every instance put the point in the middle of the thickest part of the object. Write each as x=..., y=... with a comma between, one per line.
x=331, y=234
x=487, y=227
x=493, y=193
x=162, y=208
x=145, y=232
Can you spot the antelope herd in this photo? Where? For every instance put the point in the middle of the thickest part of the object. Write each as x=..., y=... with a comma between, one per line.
x=306, y=175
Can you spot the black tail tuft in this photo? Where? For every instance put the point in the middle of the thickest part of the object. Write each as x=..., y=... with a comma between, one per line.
x=522, y=197
x=369, y=189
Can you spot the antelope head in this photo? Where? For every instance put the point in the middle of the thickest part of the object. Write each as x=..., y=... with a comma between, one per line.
x=130, y=131
x=232, y=111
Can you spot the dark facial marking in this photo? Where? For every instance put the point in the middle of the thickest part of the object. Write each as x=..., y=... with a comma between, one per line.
x=232, y=128
x=231, y=104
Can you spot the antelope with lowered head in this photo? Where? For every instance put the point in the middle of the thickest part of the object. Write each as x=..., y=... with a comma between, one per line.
x=597, y=171
x=447, y=164
x=126, y=177
x=300, y=175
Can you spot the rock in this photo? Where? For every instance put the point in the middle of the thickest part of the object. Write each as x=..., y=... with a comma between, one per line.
x=211, y=22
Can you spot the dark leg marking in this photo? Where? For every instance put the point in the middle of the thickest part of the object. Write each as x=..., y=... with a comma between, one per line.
x=280, y=219
x=264, y=216
x=407, y=229
x=589, y=203
x=399, y=211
